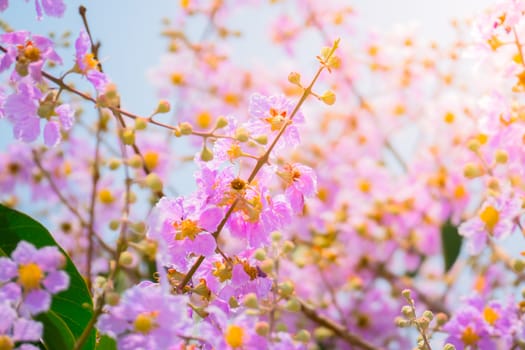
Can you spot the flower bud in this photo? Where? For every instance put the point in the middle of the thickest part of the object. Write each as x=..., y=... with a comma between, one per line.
x=206, y=154
x=125, y=259
x=474, y=145
x=286, y=289
x=322, y=333
x=134, y=161
x=185, y=128
x=501, y=156
x=163, y=107
x=260, y=254
x=401, y=322
x=128, y=136
x=114, y=225
x=293, y=305
x=221, y=122
x=141, y=123
x=288, y=247
x=242, y=135
x=250, y=301
x=449, y=346
x=518, y=265
x=262, y=328
x=294, y=78
x=154, y=182
x=276, y=236
x=441, y=319
x=407, y=311
x=328, y=97
x=471, y=171
x=302, y=336
x=428, y=314
x=261, y=140
x=114, y=163
x=267, y=265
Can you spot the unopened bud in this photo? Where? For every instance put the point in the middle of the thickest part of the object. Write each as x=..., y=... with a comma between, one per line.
x=294, y=78
x=141, y=123
x=114, y=163
x=328, y=97
x=518, y=265
x=286, y=288
x=125, y=259
x=334, y=62
x=471, y=171
x=474, y=145
x=114, y=225
x=293, y=305
x=276, y=236
x=250, y=301
x=428, y=314
x=260, y=254
x=322, y=333
x=267, y=265
x=135, y=161
x=262, y=328
x=185, y=128
x=221, y=122
x=302, y=336
x=206, y=154
x=261, y=140
x=449, y=346
x=501, y=156
x=407, y=311
x=163, y=107
x=441, y=319
x=288, y=246
x=128, y=136
x=401, y=322
x=242, y=135
x=154, y=182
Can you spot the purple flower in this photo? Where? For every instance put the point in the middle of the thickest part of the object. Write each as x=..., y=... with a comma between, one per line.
x=14, y=329
x=30, y=52
x=495, y=218
x=53, y=8
x=271, y=113
x=88, y=64
x=146, y=318
x=468, y=330
x=184, y=228
x=21, y=108
x=300, y=181
x=37, y=276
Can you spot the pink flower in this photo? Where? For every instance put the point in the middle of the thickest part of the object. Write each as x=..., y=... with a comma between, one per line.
x=30, y=52
x=300, y=181
x=184, y=228
x=88, y=64
x=495, y=218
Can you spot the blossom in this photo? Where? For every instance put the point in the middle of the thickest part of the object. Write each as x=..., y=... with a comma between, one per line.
x=29, y=52
x=300, y=181
x=185, y=228
x=467, y=329
x=15, y=329
x=495, y=218
x=24, y=109
x=87, y=63
x=34, y=275
x=146, y=318
x=271, y=113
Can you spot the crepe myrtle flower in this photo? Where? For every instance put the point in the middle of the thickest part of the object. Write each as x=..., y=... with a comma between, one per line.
x=146, y=318
x=17, y=330
x=495, y=218
x=29, y=53
x=468, y=330
x=33, y=275
x=185, y=228
x=87, y=64
x=270, y=114
x=52, y=8
x=300, y=181
x=24, y=109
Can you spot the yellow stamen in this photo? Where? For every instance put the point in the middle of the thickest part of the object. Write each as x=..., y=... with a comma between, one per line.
x=151, y=159
x=186, y=229
x=145, y=322
x=204, y=119
x=469, y=337
x=490, y=216
x=30, y=275
x=90, y=61
x=490, y=315
x=234, y=336
x=6, y=343
x=105, y=196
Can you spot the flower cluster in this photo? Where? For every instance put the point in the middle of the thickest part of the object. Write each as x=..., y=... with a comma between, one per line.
x=28, y=280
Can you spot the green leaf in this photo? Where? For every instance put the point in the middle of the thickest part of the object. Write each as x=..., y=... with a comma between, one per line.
x=451, y=242
x=106, y=343
x=71, y=309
